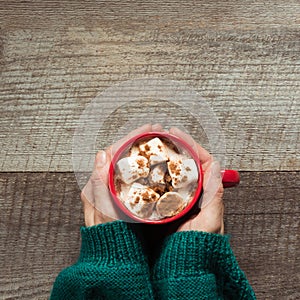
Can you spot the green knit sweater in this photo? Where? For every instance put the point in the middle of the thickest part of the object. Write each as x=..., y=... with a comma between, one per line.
x=191, y=265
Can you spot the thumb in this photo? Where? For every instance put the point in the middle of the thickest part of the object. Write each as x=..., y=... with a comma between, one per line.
x=103, y=201
x=99, y=164
x=87, y=199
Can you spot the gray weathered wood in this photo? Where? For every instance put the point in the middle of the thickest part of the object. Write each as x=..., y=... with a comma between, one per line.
x=229, y=15
x=244, y=58
x=40, y=216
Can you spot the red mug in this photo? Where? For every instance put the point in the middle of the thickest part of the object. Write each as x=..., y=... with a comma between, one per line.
x=230, y=178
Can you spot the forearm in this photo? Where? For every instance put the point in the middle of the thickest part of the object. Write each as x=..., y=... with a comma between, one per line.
x=111, y=266
x=198, y=265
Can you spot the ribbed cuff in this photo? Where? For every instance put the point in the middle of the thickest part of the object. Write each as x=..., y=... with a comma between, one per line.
x=190, y=253
x=110, y=243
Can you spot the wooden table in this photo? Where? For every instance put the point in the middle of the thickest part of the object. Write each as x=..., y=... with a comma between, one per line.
x=243, y=57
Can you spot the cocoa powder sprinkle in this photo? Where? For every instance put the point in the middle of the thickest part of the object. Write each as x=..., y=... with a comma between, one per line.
x=154, y=189
x=174, y=168
x=141, y=163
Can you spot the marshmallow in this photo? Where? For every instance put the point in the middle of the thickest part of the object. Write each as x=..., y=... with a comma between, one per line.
x=155, y=150
x=157, y=174
x=169, y=204
x=133, y=168
x=134, y=151
x=183, y=172
x=155, y=179
x=187, y=192
x=172, y=154
x=141, y=200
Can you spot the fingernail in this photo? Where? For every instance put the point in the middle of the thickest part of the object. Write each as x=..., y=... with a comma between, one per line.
x=101, y=159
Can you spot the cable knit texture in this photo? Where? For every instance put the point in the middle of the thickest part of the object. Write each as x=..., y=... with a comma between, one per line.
x=192, y=265
x=199, y=265
x=111, y=266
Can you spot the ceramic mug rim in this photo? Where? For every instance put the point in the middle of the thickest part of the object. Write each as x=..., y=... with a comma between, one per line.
x=125, y=147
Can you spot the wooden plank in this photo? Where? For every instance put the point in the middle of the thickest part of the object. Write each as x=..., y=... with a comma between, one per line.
x=33, y=248
x=229, y=14
x=243, y=58
x=40, y=216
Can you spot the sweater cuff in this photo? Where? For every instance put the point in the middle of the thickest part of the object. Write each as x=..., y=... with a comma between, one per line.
x=190, y=253
x=110, y=243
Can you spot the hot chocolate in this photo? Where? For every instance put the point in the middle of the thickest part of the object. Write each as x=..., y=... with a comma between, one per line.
x=155, y=179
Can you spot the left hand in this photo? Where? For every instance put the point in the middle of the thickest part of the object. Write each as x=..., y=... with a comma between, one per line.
x=97, y=202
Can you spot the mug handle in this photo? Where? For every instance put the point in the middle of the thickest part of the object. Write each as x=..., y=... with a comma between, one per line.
x=230, y=178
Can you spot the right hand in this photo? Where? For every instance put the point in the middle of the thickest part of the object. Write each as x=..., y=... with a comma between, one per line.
x=210, y=217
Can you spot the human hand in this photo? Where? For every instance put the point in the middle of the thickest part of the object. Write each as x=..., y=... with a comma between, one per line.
x=97, y=202
x=210, y=218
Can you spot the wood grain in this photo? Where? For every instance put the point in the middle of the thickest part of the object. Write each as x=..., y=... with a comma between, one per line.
x=242, y=57
x=229, y=15
x=40, y=216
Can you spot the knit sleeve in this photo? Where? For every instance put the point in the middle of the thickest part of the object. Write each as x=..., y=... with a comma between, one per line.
x=199, y=265
x=111, y=266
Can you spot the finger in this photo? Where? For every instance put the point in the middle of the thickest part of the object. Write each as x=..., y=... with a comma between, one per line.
x=210, y=218
x=212, y=185
x=87, y=193
x=142, y=129
x=103, y=200
x=145, y=128
x=212, y=173
x=100, y=159
x=157, y=128
x=186, y=137
x=101, y=166
x=204, y=156
x=88, y=209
